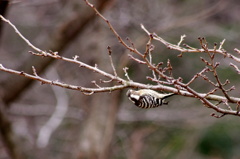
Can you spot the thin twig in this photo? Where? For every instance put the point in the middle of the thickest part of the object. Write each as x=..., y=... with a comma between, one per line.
x=181, y=39
x=191, y=49
x=95, y=83
x=212, y=91
x=112, y=29
x=81, y=64
x=236, y=68
x=34, y=71
x=218, y=116
x=206, y=102
x=21, y=36
x=159, y=81
x=221, y=44
x=126, y=73
x=137, y=60
x=197, y=75
x=111, y=61
x=225, y=102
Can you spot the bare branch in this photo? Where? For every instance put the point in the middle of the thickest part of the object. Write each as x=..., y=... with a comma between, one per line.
x=206, y=102
x=181, y=40
x=197, y=75
x=34, y=71
x=237, y=50
x=126, y=73
x=159, y=81
x=236, y=68
x=226, y=103
x=212, y=91
x=64, y=85
x=221, y=44
x=111, y=61
x=125, y=84
x=149, y=49
x=81, y=64
x=214, y=66
x=218, y=116
x=237, y=107
x=191, y=49
x=143, y=27
x=95, y=83
x=137, y=60
x=112, y=29
x=21, y=36
x=175, y=85
x=129, y=40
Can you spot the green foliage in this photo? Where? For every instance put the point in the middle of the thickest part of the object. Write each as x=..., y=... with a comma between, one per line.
x=220, y=140
x=166, y=143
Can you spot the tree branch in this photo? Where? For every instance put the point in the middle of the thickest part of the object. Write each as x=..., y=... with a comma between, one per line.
x=175, y=85
x=64, y=33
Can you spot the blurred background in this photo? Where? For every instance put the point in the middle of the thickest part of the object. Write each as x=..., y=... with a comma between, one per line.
x=42, y=121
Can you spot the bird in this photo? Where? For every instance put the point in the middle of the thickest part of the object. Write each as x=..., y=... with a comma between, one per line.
x=147, y=98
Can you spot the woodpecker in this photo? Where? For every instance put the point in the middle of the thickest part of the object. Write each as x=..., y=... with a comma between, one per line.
x=147, y=98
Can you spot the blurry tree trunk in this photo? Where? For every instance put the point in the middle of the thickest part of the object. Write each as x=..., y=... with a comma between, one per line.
x=3, y=9
x=98, y=131
x=7, y=136
x=137, y=142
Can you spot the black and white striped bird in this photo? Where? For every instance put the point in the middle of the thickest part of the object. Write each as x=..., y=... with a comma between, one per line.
x=147, y=98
